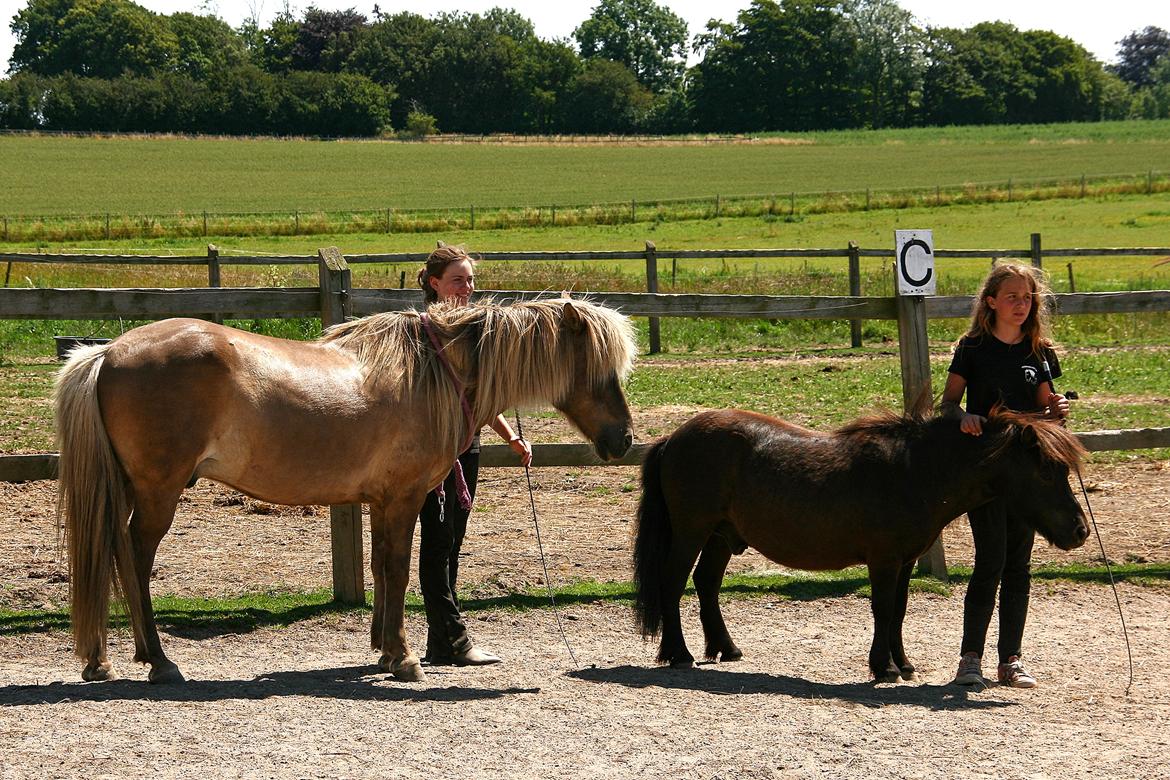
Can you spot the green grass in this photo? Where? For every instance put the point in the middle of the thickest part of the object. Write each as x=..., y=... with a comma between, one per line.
x=253, y=611
x=65, y=175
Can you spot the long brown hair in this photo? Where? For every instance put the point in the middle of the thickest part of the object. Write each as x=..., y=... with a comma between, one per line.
x=1036, y=327
x=436, y=266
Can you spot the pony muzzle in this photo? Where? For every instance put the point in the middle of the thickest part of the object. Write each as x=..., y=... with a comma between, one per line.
x=613, y=442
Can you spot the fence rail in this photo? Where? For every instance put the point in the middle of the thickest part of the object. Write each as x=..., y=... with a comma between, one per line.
x=334, y=299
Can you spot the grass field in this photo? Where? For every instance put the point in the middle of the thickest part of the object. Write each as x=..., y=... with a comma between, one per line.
x=65, y=175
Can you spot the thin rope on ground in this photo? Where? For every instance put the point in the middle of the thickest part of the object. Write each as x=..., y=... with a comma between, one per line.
x=1112, y=582
x=540, y=547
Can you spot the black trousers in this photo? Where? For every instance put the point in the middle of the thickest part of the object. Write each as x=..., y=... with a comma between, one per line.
x=1003, y=554
x=438, y=561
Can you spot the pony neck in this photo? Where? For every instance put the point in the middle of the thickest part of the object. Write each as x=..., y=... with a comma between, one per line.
x=968, y=477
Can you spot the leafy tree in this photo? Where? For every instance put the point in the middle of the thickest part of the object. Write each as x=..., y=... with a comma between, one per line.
x=276, y=43
x=396, y=51
x=1139, y=52
x=326, y=39
x=102, y=38
x=206, y=45
x=605, y=97
x=783, y=66
x=1067, y=80
x=649, y=39
x=891, y=61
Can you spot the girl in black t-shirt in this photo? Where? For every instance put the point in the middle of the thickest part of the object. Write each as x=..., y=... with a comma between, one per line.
x=1006, y=358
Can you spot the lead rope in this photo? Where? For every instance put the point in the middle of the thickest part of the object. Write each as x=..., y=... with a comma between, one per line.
x=1109, y=569
x=540, y=547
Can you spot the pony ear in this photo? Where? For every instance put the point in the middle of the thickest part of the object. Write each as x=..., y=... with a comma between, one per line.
x=440, y=244
x=1029, y=436
x=572, y=317
x=566, y=294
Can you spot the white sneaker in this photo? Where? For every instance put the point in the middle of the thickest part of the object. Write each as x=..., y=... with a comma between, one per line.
x=1014, y=674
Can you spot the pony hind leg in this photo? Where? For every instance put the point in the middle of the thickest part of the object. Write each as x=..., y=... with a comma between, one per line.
x=154, y=512
x=681, y=559
x=708, y=579
x=377, y=564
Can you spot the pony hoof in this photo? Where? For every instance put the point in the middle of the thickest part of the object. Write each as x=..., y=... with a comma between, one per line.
x=888, y=676
x=165, y=673
x=98, y=672
x=683, y=663
x=407, y=669
x=734, y=654
x=908, y=673
x=410, y=670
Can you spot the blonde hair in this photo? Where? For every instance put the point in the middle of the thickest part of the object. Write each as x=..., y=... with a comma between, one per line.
x=1037, y=327
x=436, y=266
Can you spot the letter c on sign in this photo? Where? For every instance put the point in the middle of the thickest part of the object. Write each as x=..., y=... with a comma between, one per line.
x=902, y=269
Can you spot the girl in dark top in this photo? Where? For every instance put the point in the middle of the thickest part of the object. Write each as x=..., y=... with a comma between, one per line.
x=1005, y=358
x=449, y=275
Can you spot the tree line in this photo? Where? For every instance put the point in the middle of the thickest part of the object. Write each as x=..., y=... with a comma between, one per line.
x=791, y=65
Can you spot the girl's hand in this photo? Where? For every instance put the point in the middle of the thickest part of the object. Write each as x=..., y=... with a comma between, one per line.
x=972, y=424
x=521, y=448
x=1057, y=406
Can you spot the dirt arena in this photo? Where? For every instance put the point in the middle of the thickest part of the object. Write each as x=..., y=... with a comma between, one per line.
x=308, y=701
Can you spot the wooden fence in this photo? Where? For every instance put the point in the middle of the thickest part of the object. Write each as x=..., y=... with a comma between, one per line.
x=335, y=299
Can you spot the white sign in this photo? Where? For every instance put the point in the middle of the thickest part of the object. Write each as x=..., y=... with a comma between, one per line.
x=914, y=263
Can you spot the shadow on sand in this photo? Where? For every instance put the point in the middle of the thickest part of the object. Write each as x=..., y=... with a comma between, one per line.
x=354, y=683
x=721, y=681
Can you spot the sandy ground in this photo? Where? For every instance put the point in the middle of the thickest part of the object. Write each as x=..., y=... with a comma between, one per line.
x=307, y=700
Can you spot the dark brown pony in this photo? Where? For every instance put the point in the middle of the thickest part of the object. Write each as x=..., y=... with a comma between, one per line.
x=368, y=413
x=878, y=491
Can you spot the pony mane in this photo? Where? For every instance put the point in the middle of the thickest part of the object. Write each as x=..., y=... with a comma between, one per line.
x=884, y=423
x=1056, y=442
x=505, y=355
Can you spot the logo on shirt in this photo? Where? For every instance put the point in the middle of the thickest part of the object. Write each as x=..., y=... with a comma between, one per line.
x=1031, y=374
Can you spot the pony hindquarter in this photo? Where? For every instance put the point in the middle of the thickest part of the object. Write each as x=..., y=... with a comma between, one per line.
x=93, y=506
x=876, y=492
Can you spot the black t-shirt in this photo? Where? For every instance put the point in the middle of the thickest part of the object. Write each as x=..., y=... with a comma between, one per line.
x=998, y=372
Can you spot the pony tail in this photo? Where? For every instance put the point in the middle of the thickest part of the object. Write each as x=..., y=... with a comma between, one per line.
x=93, y=505
x=652, y=535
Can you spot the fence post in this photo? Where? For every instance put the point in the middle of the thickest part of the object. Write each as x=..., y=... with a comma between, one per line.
x=345, y=521
x=855, y=289
x=1072, y=285
x=205, y=224
x=107, y=226
x=652, y=287
x=1037, y=255
x=473, y=216
x=914, y=353
x=213, y=274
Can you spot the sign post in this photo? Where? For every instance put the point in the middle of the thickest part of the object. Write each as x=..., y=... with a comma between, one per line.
x=915, y=278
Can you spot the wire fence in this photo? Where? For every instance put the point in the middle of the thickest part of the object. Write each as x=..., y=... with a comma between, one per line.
x=109, y=226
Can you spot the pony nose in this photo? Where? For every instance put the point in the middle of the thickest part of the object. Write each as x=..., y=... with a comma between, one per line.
x=627, y=442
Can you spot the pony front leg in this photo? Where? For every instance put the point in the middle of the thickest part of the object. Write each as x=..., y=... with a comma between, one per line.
x=395, y=524
x=897, y=648
x=883, y=584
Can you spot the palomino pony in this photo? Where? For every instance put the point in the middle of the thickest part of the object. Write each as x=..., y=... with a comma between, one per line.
x=878, y=491
x=367, y=413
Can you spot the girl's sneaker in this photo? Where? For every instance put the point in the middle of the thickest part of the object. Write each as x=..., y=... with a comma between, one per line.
x=1013, y=673
x=970, y=670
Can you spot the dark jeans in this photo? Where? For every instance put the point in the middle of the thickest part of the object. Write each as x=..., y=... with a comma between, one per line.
x=1003, y=554
x=438, y=561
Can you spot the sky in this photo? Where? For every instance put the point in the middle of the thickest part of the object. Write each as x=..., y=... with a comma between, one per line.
x=1097, y=28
